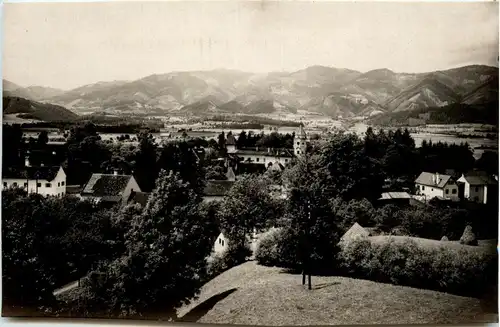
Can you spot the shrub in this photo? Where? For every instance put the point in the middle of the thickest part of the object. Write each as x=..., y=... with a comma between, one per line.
x=468, y=237
x=278, y=248
x=234, y=255
x=458, y=271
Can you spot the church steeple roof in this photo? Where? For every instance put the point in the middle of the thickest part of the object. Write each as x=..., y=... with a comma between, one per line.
x=302, y=132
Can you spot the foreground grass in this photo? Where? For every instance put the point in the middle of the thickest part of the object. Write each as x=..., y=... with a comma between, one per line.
x=255, y=295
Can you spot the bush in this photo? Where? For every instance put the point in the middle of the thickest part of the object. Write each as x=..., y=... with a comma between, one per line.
x=278, y=248
x=448, y=269
x=235, y=254
x=468, y=237
x=444, y=239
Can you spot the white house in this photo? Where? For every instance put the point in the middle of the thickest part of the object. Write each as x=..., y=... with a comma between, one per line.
x=436, y=185
x=479, y=186
x=110, y=188
x=220, y=244
x=42, y=180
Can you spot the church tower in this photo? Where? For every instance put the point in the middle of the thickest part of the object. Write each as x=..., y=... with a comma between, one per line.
x=300, y=142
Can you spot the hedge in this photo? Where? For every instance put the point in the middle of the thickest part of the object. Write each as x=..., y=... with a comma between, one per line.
x=448, y=269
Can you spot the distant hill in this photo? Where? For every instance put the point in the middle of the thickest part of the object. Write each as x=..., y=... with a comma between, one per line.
x=36, y=93
x=316, y=89
x=29, y=109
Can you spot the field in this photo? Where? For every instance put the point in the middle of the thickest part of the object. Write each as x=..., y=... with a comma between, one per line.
x=251, y=294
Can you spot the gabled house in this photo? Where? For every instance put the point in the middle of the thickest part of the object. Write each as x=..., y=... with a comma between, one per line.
x=110, y=188
x=436, y=185
x=137, y=197
x=479, y=187
x=42, y=180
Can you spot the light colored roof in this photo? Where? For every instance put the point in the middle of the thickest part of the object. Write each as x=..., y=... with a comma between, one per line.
x=428, y=179
x=395, y=195
x=354, y=232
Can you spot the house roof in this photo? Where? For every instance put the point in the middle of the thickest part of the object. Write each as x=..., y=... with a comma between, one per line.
x=395, y=195
x=47, y=173
x=73, y=189
x=479, y=178
x=217, y=188
x=273, y=153
x=276, y=166
x=427, y=179
x=355, y=231
x=106, y=185
x=139, y=197
x=230, y=140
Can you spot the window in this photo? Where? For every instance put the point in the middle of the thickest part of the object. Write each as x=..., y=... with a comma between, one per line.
x=298, y=143
x=4, y=184
x=257, y=159
x=222, y=242
x=264, y=160
x=432, y=189
x=286, y=160
x=423, y=187
x=447, y=191
x=62, y=183
x=48, y=185
x=38, y=184
x=58, y=184
x=14, y=184
x=477, y=188
x=454, y=191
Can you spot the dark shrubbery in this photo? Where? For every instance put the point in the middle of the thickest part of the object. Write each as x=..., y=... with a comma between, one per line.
x=464, y=271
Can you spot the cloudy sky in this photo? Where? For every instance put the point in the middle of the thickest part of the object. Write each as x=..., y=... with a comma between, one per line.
x=66, y=45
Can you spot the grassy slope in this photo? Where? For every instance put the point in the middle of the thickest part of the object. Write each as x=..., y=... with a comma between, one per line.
x=267, y=296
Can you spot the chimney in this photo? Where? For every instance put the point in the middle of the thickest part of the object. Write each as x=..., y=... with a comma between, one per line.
x=437, y=179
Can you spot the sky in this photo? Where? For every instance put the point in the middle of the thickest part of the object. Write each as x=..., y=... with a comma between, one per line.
x=66, y=45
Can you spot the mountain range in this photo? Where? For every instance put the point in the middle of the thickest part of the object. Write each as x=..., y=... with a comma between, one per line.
x=317, y=89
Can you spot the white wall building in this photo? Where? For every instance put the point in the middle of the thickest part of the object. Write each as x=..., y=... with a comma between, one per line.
x=479, y=186
x=42, y=180
x=111, y=188
x=436, y=185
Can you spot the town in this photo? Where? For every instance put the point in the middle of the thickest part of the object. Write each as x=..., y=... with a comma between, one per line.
x=259, y=163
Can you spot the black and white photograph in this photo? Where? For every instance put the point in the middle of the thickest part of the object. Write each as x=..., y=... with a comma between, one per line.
x=257, y=163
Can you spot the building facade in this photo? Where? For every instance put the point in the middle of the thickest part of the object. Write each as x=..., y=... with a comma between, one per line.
x=49, y=181
x=436, y=185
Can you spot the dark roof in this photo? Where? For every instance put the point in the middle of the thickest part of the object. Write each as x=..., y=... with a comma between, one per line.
x=139, y=197
x=230, y=140
x=428, y=179
x=40, y=172
x=217, y=188
x=479, y=178
x=73, y=189
x=103, y=185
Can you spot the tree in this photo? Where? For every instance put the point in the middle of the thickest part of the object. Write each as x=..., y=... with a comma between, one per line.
x=248, y=206
x=352, y=174
x=145, y=162
x=43, y=139
x=488, y=162
x=163, y=265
